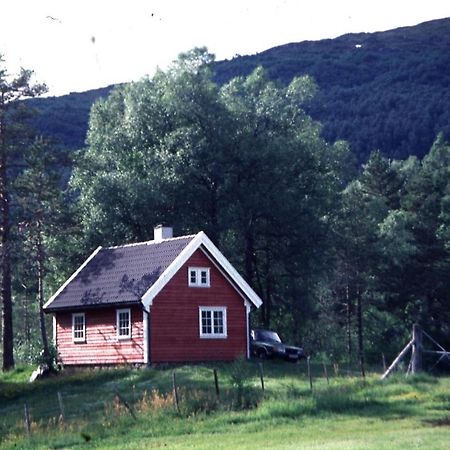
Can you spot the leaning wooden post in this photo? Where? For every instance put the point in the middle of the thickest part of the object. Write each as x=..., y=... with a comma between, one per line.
x=175, y=392
x=308, y=364
x=416, y=357
x=125, y=403
x=61, y=407
x=397, y=360
x=216, y=383
x=27, y=419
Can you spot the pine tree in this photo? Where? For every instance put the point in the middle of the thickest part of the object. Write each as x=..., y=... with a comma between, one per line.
x=12, y=89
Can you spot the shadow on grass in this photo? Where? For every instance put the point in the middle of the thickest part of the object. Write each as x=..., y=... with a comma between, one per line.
x=89, y=378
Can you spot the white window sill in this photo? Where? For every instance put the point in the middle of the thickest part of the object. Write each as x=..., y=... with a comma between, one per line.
x=213, y=336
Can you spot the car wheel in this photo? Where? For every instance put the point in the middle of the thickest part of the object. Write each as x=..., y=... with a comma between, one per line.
x=262, y=353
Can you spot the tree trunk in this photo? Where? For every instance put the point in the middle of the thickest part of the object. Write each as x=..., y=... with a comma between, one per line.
x=360, y=332
x=26, y=319
x=5, y=264
x=348, y=321
x=40, y=269
x=268, y=299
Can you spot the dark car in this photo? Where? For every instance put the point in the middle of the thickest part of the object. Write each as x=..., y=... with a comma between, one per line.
x=267, y=344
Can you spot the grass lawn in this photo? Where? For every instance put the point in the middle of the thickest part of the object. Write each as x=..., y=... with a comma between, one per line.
x=347, y=413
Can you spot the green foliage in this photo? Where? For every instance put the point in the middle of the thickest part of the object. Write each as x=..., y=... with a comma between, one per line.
x=234, y=161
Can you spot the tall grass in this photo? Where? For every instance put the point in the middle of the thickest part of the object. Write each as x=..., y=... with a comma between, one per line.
x=287, y=413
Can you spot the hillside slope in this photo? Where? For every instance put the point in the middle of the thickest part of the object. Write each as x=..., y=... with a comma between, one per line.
x=65, y=118
x=387, y=90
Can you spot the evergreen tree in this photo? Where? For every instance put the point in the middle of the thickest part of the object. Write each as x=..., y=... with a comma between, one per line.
x=42, y=212
x=12, y=134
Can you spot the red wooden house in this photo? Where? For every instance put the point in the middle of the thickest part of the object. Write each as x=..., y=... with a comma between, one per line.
x=166, y=300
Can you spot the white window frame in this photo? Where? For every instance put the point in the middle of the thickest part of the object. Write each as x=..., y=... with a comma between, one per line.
x=211, y=310
x=198, y=277
x=123, y=336
x=79, y=338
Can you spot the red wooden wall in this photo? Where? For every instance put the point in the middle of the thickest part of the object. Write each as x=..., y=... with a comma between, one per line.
x=174, y=318
x=101, y=345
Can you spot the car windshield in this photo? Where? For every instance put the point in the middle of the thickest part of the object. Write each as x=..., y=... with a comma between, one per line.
x=267, y=336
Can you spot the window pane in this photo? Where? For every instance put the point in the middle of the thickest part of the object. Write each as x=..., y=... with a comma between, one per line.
x=124, y=323
x=204, y=277
x=206, y=322
x=218, y=322
x=78, y=327
x=193, y=277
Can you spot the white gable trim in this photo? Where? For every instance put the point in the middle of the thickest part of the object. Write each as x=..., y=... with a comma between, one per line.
x=71, y=278
x=188, y=251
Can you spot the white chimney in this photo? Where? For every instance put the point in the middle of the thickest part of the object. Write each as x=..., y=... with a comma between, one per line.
x=161, y=232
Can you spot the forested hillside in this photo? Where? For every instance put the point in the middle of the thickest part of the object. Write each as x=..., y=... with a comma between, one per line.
x=388, y=90
x=65, y=119
x=385, y=91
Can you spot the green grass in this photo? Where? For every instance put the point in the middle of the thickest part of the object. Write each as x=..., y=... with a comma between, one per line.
x=345, y=414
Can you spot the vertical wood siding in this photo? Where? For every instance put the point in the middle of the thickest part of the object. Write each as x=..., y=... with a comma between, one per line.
x=101, y=345
x=174, y=318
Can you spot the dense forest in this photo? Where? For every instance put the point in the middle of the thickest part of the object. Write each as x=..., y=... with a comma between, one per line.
x=387, y=91
x=345, y=258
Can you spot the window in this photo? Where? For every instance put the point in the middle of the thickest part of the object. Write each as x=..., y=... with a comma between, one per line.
x=123, y=319
x=213, y=322
x=198, y=276
x=78, y=327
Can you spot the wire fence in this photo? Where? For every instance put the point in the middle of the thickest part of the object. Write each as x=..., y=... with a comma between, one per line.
x=76, y=403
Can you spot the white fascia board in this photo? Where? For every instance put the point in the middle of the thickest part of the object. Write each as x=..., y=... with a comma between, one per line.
x=199, y=239
x=171, y=270
x=145, y=322
x=72, y=277
x=231, y=271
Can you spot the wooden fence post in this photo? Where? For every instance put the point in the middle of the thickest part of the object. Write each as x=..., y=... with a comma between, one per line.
x=216, y=383
x=416, y=356
x=261, y=375
x=308, y=364
x=175, y=393
x=325, y=372
x=27, y=419
x=61, y=407
x=383, y=358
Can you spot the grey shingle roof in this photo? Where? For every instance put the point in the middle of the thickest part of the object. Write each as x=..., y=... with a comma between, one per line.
x=119, y=275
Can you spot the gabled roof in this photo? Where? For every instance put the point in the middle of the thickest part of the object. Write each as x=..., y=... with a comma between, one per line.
x=137, y=273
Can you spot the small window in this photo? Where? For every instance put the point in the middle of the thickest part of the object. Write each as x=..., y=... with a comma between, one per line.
x=123, y=318
x=78, y=327
x=213, y=322
x=198, y=276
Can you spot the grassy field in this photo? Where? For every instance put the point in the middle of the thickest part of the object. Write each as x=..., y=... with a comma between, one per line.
x=347, y=413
